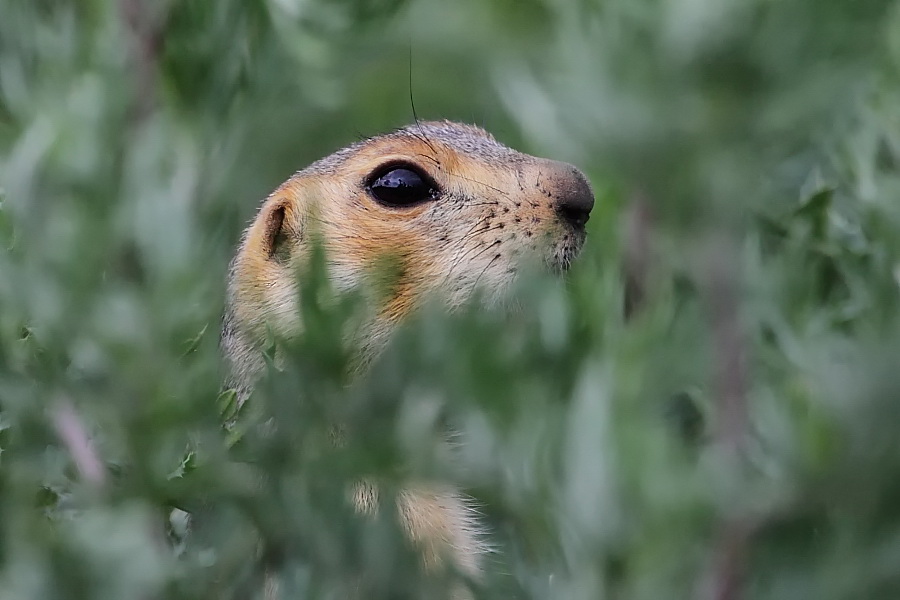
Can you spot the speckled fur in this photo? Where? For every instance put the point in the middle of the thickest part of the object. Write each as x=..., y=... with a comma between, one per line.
x=495, y=207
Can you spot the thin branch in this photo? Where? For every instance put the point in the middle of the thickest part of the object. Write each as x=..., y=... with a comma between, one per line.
x=730, y=378
x=145, y=25
x=727, y=571
x=637, y=253
x=74, y=436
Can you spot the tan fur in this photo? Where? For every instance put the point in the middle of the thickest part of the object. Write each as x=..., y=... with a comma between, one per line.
x=496, y=207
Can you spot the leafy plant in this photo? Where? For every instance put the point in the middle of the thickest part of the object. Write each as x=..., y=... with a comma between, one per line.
x=732, y=437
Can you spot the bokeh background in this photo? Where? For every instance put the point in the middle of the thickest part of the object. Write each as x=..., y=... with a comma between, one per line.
x=706, y=406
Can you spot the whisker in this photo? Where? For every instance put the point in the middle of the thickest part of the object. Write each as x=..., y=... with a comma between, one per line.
x=466, y=256
x=484, y=270
x=469, y=179
x=463, y=177
x=431, y=158
x=466, y=235
x=460, y=243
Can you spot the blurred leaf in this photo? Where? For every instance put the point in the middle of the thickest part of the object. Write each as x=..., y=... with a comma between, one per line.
x=136, y=141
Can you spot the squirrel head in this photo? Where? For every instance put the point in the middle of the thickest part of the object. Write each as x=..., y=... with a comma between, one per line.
x=449, y=208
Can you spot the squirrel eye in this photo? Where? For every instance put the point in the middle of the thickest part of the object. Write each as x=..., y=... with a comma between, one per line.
x=401, y=186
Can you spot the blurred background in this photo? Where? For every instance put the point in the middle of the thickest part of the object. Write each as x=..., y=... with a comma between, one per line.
x=706, y=407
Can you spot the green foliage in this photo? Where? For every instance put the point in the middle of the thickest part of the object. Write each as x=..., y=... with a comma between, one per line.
x=734, y=438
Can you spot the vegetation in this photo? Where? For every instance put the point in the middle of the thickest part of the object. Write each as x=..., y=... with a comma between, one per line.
x=734, y=437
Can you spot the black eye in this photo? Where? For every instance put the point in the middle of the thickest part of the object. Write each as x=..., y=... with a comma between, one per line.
x=401, y=186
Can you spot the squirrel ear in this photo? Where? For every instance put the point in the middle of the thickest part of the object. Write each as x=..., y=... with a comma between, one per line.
x=276, y=230
x=276, y=238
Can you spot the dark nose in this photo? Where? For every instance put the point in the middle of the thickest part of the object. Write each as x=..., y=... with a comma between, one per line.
x=572, y=194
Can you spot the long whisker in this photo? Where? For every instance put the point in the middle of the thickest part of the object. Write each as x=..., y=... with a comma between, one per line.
x=464, y=178
x=458, y=261
x=431, y=158
x=484, y=270
x=437, y=163
x=466, y=235
x=461, y=243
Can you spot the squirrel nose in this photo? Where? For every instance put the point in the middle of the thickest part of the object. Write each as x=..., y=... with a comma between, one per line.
x=572, y=193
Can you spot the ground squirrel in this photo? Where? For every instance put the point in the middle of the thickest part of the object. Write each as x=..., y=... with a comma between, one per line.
x=455, y=208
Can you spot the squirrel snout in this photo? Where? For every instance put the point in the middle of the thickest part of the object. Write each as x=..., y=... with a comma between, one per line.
x=571, y=193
